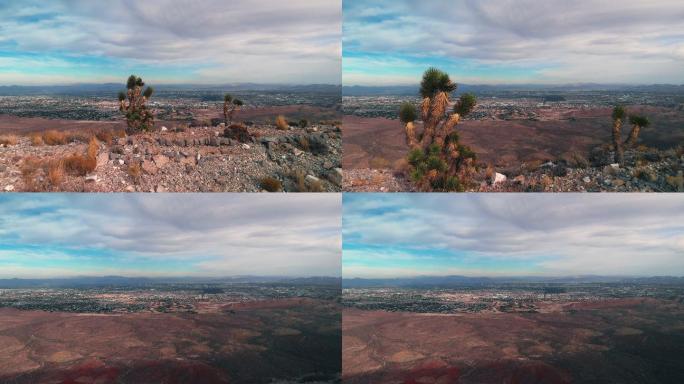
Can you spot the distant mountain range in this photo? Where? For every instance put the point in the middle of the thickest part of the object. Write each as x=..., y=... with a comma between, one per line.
x=121, y=281
x=452, y=281
x=410, y=90
x=114, y=88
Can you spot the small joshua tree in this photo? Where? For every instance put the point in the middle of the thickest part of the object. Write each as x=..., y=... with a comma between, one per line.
x=230, y=106
x=438, y=162
x=637, y=122
x=133, y=103
x=618, y=115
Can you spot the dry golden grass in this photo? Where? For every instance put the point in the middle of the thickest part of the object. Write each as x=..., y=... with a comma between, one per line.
x=93, y=148
x=135, y=172
x=490, y=173
x=53, y=137
x=36, y=139
x=29, y=170
x=79, y=165
x=271, y=184
x=9, y=139
x=55, y=174
x=281, y=123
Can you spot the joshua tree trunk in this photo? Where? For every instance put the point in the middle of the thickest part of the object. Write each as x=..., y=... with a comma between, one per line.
x=617, y=141
x=633, y=136
x=225, y=113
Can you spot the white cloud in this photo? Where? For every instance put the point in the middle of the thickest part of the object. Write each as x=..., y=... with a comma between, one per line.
x=554, y=234
x=222, y=234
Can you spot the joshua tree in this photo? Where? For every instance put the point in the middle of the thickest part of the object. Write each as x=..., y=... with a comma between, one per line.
x=230, y=106
x=133, y=103
x=437, y=160
x=618, y=115
x=637, y=122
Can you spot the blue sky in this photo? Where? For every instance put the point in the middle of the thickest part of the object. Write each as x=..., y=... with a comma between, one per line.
x=62, y=235
x=391, y=42
x=170, y=41
x=399, y=235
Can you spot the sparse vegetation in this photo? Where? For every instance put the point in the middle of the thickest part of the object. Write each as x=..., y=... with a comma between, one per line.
x=618, y=115
x=36, y=139
x=438, y=162
x=81, y=165
x=637, y=122
x=271, y=184
x=303, y=123
x=237, y=132
x=134, y=170
x=133, y=103
x=9, y=139
x=54, y=137
x=230, y=107
x=281, y=123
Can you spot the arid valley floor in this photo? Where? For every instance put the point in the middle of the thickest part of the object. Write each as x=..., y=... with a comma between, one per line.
x=245, y=334
x=599, y=340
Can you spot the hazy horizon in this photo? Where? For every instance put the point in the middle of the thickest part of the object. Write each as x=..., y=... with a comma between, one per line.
x=170, y=41
x=512, y=235
x=513, y=42
x=188, y=235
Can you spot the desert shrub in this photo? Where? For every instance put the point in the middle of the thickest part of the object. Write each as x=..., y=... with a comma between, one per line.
x=645, y=174
x=30, y=167
x=281, y=123
x=105, y=136
x=36, y=139
x=271, y=184
x=490, y=173
x=303, y=123
x=379, y=163
x=54, y=137
x=304, y=143
x=55, y=173
x=237, y=132
x=9, y=139
x=135, y=172
x=93, y=148
x=79, y=165
x=300, y=184
x=578, y=161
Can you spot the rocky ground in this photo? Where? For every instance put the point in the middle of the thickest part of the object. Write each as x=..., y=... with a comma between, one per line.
x=644, y=170
x=196, y=159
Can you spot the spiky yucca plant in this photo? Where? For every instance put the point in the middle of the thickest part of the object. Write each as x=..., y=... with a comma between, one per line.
x=133, y=103
x=618, y=115
x=438, y=162
x=637, y=122
x=230, y=106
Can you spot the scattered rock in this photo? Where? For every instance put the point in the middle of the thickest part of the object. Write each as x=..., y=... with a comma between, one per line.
x=336, y=176
x=9, y=188
x=499, y=178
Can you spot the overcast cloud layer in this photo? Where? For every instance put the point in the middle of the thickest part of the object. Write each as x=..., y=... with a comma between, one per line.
x=513, y=234
x=514, y=41
x=170, y=41
x=60, y=235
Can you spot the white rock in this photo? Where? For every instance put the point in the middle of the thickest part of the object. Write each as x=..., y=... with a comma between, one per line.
x=9, y=188
x=91, y=179
x=130, y=188
x=245, y=146
x=121, y=162
x=164, y=129
x=586, y=179
x=615, y=166
x=499, y=178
